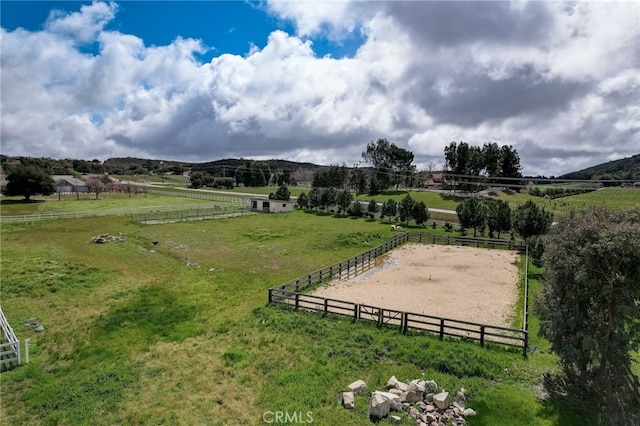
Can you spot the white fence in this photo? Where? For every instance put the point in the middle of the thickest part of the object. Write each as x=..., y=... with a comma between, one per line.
x=9, y=351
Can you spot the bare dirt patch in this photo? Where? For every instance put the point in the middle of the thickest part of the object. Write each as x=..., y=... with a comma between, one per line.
x=464, y=283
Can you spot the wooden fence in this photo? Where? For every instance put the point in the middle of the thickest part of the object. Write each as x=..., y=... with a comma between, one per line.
x=9, y=351
x=405, y=321
x=292, y=293
x=233, y=199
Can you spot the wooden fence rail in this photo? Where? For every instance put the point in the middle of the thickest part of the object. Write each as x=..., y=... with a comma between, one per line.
x=483, y=333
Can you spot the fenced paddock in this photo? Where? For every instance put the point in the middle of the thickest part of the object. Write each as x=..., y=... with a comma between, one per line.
x=197, y=212
x=292, y=293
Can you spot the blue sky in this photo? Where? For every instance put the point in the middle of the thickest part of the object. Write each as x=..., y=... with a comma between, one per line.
x=223, y=26
x=317, y=80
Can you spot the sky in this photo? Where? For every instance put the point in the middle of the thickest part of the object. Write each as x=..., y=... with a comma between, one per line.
x=316, y=81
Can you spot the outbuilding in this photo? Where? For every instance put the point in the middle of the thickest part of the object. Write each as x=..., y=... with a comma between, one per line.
x=264, y=205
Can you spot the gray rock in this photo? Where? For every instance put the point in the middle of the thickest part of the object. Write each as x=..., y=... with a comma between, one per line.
x=413, y=396
x=421, y=405
x=39, y=329
x=469, y=412
x=394, y=400
x=348, y=400
x=357, y=386
x=429, y=397
x=401, y=386
x=379, y=406
x=413, y=413
x=442, y=400
x=391, y=383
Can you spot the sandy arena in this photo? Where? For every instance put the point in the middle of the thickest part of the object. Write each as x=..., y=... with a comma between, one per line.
x=464, y=283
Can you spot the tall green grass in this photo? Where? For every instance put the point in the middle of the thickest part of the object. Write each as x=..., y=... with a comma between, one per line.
x=170, y=326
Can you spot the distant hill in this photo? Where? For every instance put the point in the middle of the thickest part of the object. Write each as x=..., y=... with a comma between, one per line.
x=624, y=169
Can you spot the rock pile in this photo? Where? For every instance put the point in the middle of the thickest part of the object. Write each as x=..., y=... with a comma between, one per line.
x=104, y=238
x=421, y=400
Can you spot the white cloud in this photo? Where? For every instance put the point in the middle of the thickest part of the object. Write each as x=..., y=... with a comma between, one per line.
x=564, y=92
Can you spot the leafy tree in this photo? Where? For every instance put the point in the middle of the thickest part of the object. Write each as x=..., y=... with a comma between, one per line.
x=491, y=159
x=27, y=181
x=282, y=193
x=314, y=198
x=530, y=220
x=95, y=185
x=498, y=217
x=389, y=161
x=389, y=209
x=405, y=208
x=344, y=199
x=372, y=208
x=355, y=209
x=589, y=307
x=303, y=201
x=509, y=163
x=420, y=213
x=374, y=186
x=327, y=197
x=333, y=176
x=358, y=180
x=472, y=214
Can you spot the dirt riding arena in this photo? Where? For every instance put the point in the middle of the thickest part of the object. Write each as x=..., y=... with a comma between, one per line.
x=463, y=283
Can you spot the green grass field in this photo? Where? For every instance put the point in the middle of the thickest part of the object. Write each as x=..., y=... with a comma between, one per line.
x=177, y=332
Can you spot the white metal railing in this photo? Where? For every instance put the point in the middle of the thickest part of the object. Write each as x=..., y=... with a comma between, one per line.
x=12, y=354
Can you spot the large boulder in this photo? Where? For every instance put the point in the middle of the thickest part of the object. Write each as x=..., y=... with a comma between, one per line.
x=379, y=406
x=442, y=400
x=394, y=400
x=357, y=387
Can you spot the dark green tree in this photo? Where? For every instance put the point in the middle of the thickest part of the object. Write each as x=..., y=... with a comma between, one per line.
x=314, y=198
x=472, y=215
x=358, y=180
x=420, y=213
x=303, y=201
x=405, y=208
x=282, y=193
x=498, y=217
x=343, y=200
x=589, y=307
x=529, y=220
x=27, y=181
x=390, y=209
x=372, y=208
x=391, y=163
x=355, y=209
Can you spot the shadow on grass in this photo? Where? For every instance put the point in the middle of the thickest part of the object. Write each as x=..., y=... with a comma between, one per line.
x=573, y=405
x=21, y=201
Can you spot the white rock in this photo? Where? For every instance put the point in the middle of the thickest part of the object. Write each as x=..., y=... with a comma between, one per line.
x=348, y=400
x=391, y=383
x=442, y=400
x=394, y=400
x=396, y=419
x=379, y=406
x=357, y=386
x=469, y=412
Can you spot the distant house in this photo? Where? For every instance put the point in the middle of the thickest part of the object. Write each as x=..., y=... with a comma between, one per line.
x=436, y=179
x=69, y=184
x=263, y=205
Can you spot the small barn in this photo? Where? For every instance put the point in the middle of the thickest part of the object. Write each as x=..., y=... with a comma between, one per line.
x=263, y=205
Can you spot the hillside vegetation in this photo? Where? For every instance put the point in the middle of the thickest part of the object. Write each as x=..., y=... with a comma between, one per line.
x=623, y=169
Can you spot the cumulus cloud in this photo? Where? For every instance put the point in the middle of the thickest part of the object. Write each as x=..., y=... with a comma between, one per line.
x=558, y=81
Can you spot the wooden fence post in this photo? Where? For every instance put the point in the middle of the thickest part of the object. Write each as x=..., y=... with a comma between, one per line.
x=405, y=320
x=525, y=345
x=356, y=311
x=270, y=296
x=482, y=336
x=297, y=300
x=326, y=306
x=380, y=317
x=441, y=328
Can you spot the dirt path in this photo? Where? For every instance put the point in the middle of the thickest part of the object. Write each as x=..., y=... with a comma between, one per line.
x=465, y=283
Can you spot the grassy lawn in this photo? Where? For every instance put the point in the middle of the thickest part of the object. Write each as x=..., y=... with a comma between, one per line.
x=14, y=206
x=177, y=332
